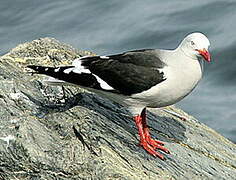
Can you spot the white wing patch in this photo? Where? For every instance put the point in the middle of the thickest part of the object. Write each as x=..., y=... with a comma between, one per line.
x=78, y=67
x=103, y=84
x=104, y=57
x=67, y=71
x=57, y=69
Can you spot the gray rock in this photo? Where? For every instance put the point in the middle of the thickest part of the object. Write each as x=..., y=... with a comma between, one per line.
x=44, y=135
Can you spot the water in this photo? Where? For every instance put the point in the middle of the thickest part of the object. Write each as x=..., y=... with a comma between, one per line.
x=107, y=27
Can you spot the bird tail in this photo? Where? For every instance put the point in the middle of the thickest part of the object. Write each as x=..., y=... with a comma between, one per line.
x=67, y=74
x=56, y=72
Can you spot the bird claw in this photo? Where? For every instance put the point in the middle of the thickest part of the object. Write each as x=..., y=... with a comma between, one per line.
x=162, y=148
x=151, y=150
x=155, y=144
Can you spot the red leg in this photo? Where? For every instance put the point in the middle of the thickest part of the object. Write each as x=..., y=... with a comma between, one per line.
x=138, y=122
x=146, y=130
x=143, y=141
x=154, y=143
x=146, y=141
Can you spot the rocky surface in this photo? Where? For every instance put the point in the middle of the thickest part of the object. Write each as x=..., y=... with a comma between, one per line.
x=46, y=135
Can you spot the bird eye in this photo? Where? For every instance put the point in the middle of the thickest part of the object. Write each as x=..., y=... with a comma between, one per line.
x=192, y=43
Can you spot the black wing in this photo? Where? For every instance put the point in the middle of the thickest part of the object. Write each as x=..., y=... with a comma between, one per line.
x=129, y=73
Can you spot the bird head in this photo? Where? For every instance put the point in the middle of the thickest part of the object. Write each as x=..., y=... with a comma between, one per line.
x=196, y=45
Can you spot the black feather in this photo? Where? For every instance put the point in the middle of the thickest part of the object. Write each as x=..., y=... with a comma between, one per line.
x=82, y=79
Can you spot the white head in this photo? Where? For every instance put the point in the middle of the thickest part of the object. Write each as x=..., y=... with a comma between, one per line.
x=196, y=45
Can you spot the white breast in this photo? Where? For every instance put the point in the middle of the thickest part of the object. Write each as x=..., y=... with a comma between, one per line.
x=182, y=77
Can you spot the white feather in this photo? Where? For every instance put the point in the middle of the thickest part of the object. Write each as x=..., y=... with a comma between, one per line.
x=57, y=69
x=67, y=71
x=104, y=57
x=78, y=67
x=103, y=84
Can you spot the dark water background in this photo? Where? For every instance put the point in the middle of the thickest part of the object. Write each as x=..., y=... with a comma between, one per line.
x=109, y=26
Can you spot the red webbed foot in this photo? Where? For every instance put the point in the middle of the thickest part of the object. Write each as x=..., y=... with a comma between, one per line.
x=156, y=144
x=151, y=150
x=149, y=144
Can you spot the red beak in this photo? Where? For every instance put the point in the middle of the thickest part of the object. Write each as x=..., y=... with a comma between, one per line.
x=205, y=54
